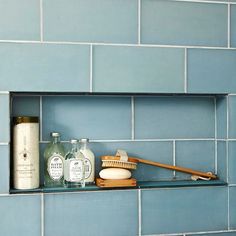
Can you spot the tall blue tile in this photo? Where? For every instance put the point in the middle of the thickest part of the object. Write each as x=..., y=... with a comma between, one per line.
x=138, y=69
x=232, y=116
x=233, y=26
x=174, y=117
x=4, y=169
x=184, y=210
x=155, y=151
x=198, y=155
x=92, y=117
x=232, y=162
x=4, y=118
x=216, y=234
x=20, y=20
x=91, y=21
x=232, y=206
x=22, y=215
x=211, y=71
x=184, y=23
x=222, y=160
x=221, y=117
x=26, y=106
x=111, y=213
x=44, y=67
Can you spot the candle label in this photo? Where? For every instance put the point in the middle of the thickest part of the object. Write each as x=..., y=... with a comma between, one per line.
x=55, y=167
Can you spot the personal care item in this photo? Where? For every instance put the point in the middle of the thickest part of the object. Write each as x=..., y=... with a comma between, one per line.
x=54, y=162
x=89, y=161
x=116, y=183
x=115, y=173
x=74, y=172
x=26, y=152
x=121, y=160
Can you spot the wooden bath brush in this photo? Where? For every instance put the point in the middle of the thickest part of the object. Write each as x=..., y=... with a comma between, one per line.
x=122, y=160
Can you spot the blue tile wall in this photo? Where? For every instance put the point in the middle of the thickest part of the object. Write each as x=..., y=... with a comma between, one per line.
x=20, y=20
x=184, y=23
x=211, y=71
x=4, y=169
x=199, y=155
x=130, y=69
x=217, y=234
x=101, y=213
x=5, y=120
x=180, y=210
x=127, y=46
x=21, y=215
x=35, y=67
x=81, y=116
x=181, y=117
x=91, y=21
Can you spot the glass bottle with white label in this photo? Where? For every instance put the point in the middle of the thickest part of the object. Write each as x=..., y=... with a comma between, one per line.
x=74, y=172
x=54, y=162
x=89, y=161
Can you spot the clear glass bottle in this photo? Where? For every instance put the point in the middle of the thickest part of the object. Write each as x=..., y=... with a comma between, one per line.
x=54, y=162
x=89, y=161
x=74, y=172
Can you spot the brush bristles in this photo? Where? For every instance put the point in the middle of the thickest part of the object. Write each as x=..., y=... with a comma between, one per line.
x=119, y=164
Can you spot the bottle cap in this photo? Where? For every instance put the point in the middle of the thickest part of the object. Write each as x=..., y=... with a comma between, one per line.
x=25, y=119
x=84, y=140
x=55, y=134
x=73, y=141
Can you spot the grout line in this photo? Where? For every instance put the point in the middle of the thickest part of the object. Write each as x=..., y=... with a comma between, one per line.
x=185, y=70
x=216, y=152
x=139, y=212
x=91, y=70
x=203, y=1
x=4, y=92
x=231, y=185
x=4, y=143
x=228, y=209
x=174, y=157
x=42, y=214
x=229, y=25
x=116, y=44
x=227, y=139
x=41, y=118
x=41, y=20
x=139, y=22
x=132, y=119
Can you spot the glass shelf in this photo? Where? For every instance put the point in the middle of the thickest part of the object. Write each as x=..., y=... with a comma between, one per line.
x=140, y=185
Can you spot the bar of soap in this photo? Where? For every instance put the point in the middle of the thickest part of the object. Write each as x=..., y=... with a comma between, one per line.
x=115, y=173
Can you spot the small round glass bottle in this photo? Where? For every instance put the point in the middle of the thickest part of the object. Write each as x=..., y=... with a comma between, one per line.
x=54, y=162
x=74, y=172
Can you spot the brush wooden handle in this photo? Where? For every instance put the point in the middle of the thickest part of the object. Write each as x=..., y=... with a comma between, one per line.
x=177, y=168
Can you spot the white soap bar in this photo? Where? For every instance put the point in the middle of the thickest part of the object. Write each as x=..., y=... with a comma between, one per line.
x=115, y=173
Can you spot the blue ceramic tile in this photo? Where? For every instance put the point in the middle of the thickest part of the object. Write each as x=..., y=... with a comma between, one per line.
x=111, y=213
x=221, y=160
x=21, y=215
x=232, y=206
x=92, y=117
x=155, y=151
x=4, y=169
x=232, y=162
x=4, y=118
x=198, y=155
x=232, y=28
x=211, y=71
x=221, y=117
x=91, y=21
x=25, y=106
x=20, y=20
x=184, y=210
x=138, y=69
x=232, y=116
x=183, y=23
x=174, y=117
x=44, y=67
